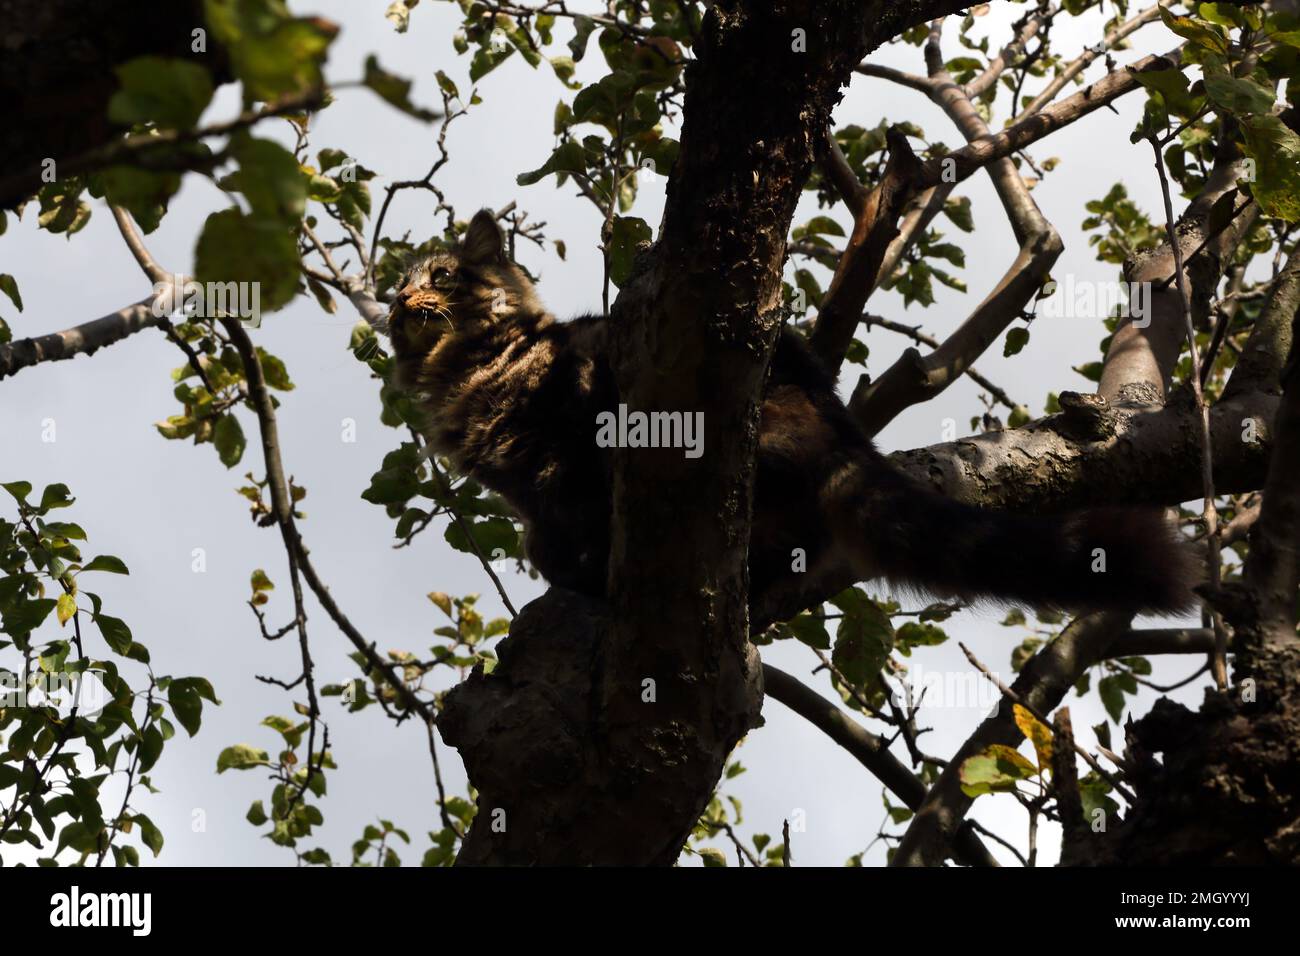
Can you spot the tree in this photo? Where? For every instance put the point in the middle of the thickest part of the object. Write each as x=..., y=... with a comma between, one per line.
x=600, y=729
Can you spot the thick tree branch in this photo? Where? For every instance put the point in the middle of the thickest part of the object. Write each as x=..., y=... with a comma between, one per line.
x=1100, y=420
x=1271, y=339
x=916, y=335
x=1144, y=350
x=1272, y=572
x=874, y=228
x=1058, y=463
x=914, y=379
x=1027, y=29
x=965, y=162
x=1085, y=59
x=84, y=339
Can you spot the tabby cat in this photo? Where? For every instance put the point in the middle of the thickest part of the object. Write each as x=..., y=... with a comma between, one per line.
x=512, y=397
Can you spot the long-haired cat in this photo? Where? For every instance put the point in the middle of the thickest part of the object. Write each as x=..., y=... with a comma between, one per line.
x=513, y=396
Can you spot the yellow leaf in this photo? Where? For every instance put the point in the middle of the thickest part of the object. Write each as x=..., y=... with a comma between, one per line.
x=66, y=608
x=443, y=602
x=1039, y=734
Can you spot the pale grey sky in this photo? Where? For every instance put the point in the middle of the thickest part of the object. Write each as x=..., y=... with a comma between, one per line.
x=152, y=502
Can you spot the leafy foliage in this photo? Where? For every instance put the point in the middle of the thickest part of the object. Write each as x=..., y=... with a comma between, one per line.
x=79, y=740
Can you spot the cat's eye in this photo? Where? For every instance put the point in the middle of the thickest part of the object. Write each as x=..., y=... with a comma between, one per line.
x=442, y=278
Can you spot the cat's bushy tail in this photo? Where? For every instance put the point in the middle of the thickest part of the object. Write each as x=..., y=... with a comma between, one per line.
x=1105, y=558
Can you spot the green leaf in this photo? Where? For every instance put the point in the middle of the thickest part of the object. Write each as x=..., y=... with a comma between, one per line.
x=329, y=158
x=1238, y=95
x=62, y=208
x=712, y=857
x=486, y=59
x=241, y=757
x=234, y=247
x=397, y=481
x=492, y=535
x=997, y=769
x=821, y=226
x=9, y=286
x=1090, y=370
x=1208, y=36
x=863, y=640
x=187, y=705
x=399, y=14
x=1112, y=696
x=1017, y=339
x=273, y=53
x=583, y=27
x=79, y=837
x=106, y=562
x=1169, y=82
x=19, y=489
x=809, y=630
x=28, y=615
x=228, y=436
x=628, y=233
x=1275, y=148
x=274, y=371
x=270, y=179
x=354, y=204
x=56, y=496
x=144, y=193
x=914, y=634
x=394, y=90
x=959, y=211
x=151, y=746
x=165, y=91
x=116, y=634
x=256, y=814
x=568, y=157
x=862, y=644
x=149, y=833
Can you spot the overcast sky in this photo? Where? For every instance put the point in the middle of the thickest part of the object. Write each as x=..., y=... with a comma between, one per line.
x=152, y=502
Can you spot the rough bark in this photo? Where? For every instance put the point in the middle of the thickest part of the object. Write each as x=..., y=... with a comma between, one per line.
x=84, y=339
x=1131, y=452
x=57, y=74
x=915, y=378
x=1227, y=789
x=674, y=680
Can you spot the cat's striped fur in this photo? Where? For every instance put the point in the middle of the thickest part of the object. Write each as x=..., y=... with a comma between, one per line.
x=512, y=397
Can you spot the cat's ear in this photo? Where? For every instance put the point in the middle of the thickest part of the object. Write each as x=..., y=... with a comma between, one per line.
x=484, y=242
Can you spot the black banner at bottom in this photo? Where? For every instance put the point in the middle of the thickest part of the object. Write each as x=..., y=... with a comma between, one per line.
x=207, y=906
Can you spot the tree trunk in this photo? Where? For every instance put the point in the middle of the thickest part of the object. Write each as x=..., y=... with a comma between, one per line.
x=616, y=761
x=57, y=75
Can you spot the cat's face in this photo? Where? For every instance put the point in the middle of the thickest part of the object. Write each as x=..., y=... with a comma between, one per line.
x=459, y=291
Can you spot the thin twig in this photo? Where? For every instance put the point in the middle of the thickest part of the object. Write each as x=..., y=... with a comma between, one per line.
x=1012, y=696
x=1219, y=659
